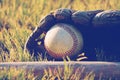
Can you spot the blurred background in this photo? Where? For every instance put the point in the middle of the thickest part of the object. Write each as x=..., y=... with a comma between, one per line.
x=18, y=18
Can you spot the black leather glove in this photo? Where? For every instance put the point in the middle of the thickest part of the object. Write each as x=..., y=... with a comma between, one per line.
x=86, y=22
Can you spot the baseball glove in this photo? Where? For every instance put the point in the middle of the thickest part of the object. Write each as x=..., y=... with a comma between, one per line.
x=94, y=26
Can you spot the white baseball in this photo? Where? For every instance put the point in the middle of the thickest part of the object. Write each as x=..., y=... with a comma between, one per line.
x=63, y=40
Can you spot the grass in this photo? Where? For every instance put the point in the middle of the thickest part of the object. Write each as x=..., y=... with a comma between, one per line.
x=18, y=18
x=16, y=74
x=58, y=73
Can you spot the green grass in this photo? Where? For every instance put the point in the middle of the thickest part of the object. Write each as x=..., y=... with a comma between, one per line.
x=18, y=18
x=58, y=73
x=16, y=74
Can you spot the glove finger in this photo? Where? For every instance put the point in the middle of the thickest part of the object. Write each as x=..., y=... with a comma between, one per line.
x=63, y=15
x=84, y=18
x=107, y=18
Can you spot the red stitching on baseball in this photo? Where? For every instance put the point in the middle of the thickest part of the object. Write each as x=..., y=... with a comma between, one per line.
x=69, y=52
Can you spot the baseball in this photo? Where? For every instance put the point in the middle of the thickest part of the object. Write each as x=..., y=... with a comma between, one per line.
x=63, y=40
